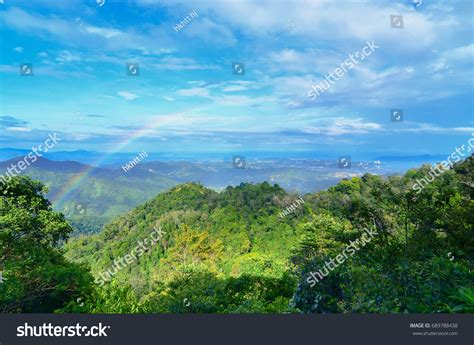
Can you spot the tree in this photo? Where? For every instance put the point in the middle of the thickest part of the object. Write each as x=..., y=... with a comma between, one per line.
x=38, y=277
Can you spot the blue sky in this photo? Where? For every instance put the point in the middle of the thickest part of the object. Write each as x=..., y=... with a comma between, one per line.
x=187, y=99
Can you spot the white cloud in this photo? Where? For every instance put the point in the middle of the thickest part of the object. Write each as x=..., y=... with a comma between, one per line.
x=412, y=66
x=434, y=129
x=197, y=82
x=67, y=56
x=463, y=53
x=104, y=32
x=210, y=31
x=342, y=126
x=157, y=51
x=18, y=49
x=194, y=92
x=22, y=21
x=233, y=88
x=66, y=31
x=18, y=129
x=346, y=21
x=129, y=96
x=179, y=64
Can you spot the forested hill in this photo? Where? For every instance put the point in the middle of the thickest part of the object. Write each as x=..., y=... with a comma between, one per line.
x=91, y=196
x=254, y=248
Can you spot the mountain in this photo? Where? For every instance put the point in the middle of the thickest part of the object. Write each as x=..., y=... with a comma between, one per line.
x=236, y=250
x=46, y=164
x=6, y=153
x=91, y=196
x=117, y=159
x=413, y=158
x=369, y=244
x=82, y=156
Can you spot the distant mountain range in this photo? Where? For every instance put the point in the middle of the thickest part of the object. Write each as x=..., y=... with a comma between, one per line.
x=83, y=156
x=92, y=194
x=117, y=159
x=413, y=158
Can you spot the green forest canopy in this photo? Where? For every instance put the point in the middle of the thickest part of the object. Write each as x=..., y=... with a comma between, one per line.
x=231, y=252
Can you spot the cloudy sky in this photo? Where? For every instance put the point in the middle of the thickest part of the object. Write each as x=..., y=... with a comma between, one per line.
x=186, y=96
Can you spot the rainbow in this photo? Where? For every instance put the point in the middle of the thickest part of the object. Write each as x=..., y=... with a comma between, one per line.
x=74, y=182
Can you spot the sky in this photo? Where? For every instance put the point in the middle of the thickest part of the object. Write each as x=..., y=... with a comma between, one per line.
x=188, y=96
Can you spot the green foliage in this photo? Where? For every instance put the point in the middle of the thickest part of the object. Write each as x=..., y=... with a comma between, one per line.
x=464, y=296
x=204, y=292
x=407, y=267
x=100, y=198
x=231, y=252
x=38, y=278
